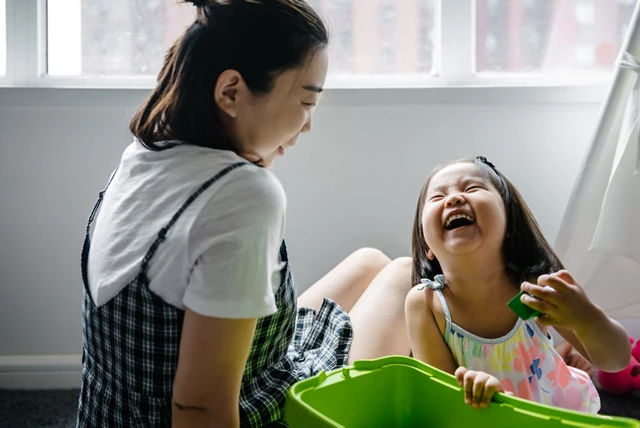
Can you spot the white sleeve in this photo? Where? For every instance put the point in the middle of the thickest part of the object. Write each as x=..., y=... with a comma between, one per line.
x=235, y=243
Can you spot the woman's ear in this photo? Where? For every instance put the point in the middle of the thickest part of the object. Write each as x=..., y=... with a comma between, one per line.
x=228, y=87
x=430, y=255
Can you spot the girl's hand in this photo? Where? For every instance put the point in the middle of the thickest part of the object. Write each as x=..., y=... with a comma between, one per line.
x=573, y=358
x=479, y=387
x=562, y=301
x=565, y=305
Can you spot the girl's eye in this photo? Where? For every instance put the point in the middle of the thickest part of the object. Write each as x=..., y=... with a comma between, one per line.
x=435, y=198
x=472, y=188
x=309, y=105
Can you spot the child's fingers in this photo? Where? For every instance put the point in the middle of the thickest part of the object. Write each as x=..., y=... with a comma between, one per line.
x=478, y=388
x=564, y=350
x=491, y=387
x=578, y=361
x=542, y=292
x=543, y=306
x=468, y=378
x=459, y=374
x=556, y=281
x=566, y=276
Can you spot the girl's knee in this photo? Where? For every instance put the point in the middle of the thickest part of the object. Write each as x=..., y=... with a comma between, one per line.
x=399, y=271
x=401, y=265
x=370, y=259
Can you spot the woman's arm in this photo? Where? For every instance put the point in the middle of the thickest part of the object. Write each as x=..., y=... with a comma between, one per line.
x=566, y=307
x=213, y=354
x=427, y=343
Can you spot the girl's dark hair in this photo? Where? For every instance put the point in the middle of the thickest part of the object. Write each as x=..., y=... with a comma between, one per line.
x=258, y=38
x=525, y=251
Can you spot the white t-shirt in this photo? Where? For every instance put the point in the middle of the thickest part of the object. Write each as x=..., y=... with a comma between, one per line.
x=221, y=258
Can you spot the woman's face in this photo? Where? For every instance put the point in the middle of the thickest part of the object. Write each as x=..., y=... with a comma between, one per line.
x=463, y=213
x=267, y=125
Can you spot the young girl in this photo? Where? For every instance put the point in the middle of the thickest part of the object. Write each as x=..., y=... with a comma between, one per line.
x=475, y=245
x=189, y=314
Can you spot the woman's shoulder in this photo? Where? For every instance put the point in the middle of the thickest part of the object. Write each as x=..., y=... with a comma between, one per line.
x=251, y=185
x=246, y=195
x=260, y=180
x=188, y=163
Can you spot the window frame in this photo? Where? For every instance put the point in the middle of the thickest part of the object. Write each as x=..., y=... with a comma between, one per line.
x=27, y=63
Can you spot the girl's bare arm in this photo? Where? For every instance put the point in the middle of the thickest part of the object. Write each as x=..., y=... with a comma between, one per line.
x=427, y=342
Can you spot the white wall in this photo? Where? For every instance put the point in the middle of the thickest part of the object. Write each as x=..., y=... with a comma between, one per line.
x=352, y=182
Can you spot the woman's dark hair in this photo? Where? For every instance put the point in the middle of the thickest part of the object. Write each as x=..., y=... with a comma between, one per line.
x=258, y=38
x=525, y=251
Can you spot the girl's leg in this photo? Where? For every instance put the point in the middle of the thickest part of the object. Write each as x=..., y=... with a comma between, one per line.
x=378, y=315
x=346, y=282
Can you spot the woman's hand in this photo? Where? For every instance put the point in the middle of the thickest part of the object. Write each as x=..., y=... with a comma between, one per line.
x=479, y=387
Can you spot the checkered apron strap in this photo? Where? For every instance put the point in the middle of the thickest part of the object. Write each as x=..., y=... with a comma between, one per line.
x=162, y=234
x=87, y=238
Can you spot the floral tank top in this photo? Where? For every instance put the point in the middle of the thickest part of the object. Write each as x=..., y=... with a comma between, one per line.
x=524, y=361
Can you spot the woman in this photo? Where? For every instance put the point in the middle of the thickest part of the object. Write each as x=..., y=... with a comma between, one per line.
x=190, y=314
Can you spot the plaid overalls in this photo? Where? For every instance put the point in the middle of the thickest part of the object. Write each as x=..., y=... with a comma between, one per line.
x=131, y=344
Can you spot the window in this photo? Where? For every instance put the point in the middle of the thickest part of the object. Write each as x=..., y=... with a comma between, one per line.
x=112, y=37
x=124, y=37
x=374, y=43
x=550, y=35
x=374, y=37
x=3, y=38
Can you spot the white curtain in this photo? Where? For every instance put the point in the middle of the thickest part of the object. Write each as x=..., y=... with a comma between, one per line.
x=599, y=237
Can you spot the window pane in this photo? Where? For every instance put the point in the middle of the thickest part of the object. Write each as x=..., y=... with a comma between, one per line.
x=549, y=35
x=112, y=37
x=380, y=36
x=3, y=38
x=124, y=37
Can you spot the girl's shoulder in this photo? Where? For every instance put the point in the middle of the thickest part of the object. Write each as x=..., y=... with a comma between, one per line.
x=418, y=298
x=423, y=303
x=421, y=296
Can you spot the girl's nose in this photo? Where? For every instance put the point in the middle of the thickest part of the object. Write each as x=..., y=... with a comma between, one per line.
x=453, y=200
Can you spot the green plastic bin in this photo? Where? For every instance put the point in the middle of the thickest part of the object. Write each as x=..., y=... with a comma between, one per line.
x=403, y=392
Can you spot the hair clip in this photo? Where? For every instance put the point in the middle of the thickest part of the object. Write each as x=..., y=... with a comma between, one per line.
x=486, y=162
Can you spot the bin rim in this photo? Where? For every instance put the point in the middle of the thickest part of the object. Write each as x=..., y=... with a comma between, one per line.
x=363, y=367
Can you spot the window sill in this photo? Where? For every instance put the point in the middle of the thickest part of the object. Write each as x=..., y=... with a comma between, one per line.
x=119, y=92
